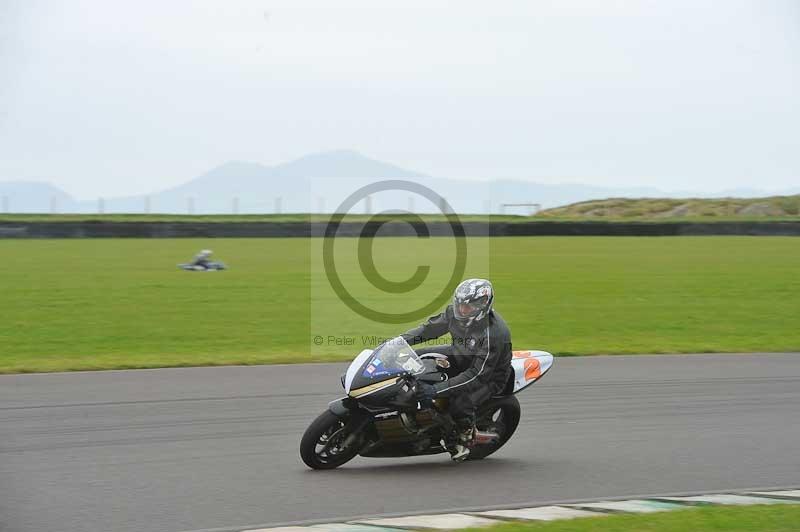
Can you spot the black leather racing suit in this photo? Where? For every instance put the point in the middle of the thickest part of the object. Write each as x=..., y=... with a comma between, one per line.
x=480, y=359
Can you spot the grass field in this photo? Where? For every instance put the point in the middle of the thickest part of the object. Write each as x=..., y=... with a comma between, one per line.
x=775, y=518
x=98, y=304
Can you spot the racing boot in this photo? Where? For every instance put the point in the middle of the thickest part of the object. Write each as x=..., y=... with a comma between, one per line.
x=464, y=440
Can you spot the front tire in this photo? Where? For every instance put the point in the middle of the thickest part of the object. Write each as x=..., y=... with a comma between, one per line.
x=324, y=443
x=501, y=416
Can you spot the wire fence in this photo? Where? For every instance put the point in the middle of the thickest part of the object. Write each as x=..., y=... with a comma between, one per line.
x=235, y=205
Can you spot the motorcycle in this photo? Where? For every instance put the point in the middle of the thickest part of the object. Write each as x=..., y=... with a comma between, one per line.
x=208, y=267
x=381, y=417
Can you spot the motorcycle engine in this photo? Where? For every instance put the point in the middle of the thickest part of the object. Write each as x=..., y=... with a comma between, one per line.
x=403, y=427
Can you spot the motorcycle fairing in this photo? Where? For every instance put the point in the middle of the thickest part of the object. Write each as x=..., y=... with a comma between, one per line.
x=528, y=367
x=372, y=388
x=354, y=368
x=374, y=370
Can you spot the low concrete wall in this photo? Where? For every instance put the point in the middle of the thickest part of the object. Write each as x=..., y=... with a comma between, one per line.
x=306, y=229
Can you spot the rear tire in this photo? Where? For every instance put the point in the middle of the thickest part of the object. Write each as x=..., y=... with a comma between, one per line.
x=500, y=415
x=322, y=445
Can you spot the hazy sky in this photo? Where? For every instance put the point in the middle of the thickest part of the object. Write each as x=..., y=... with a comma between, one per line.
x=108, y=98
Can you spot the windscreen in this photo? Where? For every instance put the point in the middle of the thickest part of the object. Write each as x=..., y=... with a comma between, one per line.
x=393, y=357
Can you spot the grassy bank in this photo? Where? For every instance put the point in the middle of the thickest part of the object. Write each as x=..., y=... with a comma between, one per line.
x=672, y=209
x=764, y=518
x=78, y=304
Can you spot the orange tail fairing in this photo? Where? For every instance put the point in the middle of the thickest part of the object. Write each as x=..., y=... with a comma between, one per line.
x=529, y=366
x=532, y=369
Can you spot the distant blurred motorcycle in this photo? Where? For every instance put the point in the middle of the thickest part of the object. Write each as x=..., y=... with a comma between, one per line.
x=381, y=417
x=202, y=263
x=208, y=266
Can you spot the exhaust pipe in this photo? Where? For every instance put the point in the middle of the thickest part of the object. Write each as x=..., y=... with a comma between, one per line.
x=485, y=437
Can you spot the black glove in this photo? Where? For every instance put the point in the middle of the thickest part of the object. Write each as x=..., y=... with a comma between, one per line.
x=425, y=394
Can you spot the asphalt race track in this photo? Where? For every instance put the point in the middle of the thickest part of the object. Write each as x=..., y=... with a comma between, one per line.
x=205, y=448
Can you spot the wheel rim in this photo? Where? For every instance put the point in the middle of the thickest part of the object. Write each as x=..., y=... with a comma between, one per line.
x=331, y=444
x=493, y=421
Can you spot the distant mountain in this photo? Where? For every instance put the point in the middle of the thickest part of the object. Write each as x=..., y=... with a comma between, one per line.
x=319, y=183
x=341, y=164
x=302, y=185
x=33, y=196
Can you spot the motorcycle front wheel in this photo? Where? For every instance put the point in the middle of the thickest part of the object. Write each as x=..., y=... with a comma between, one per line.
x=500, y=416
x=324, y=444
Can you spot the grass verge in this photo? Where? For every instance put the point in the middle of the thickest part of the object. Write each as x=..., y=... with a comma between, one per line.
x=761, y=518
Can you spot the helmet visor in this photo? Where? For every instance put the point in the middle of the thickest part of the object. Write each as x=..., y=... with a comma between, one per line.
x=469, y=309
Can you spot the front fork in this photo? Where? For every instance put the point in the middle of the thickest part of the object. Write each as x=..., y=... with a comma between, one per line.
x=355, y=420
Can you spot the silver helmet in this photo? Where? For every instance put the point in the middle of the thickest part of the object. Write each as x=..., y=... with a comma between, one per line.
x=472, y=301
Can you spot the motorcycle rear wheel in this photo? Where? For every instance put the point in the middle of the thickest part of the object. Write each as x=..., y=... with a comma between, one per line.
x=323, y=443
x=501, y=416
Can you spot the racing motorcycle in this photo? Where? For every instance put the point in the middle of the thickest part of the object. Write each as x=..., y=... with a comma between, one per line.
x=381, y=417
x=212, y=266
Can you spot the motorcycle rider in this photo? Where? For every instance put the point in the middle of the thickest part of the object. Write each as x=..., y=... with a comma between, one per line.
x=202, y=259
x=479, y=356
